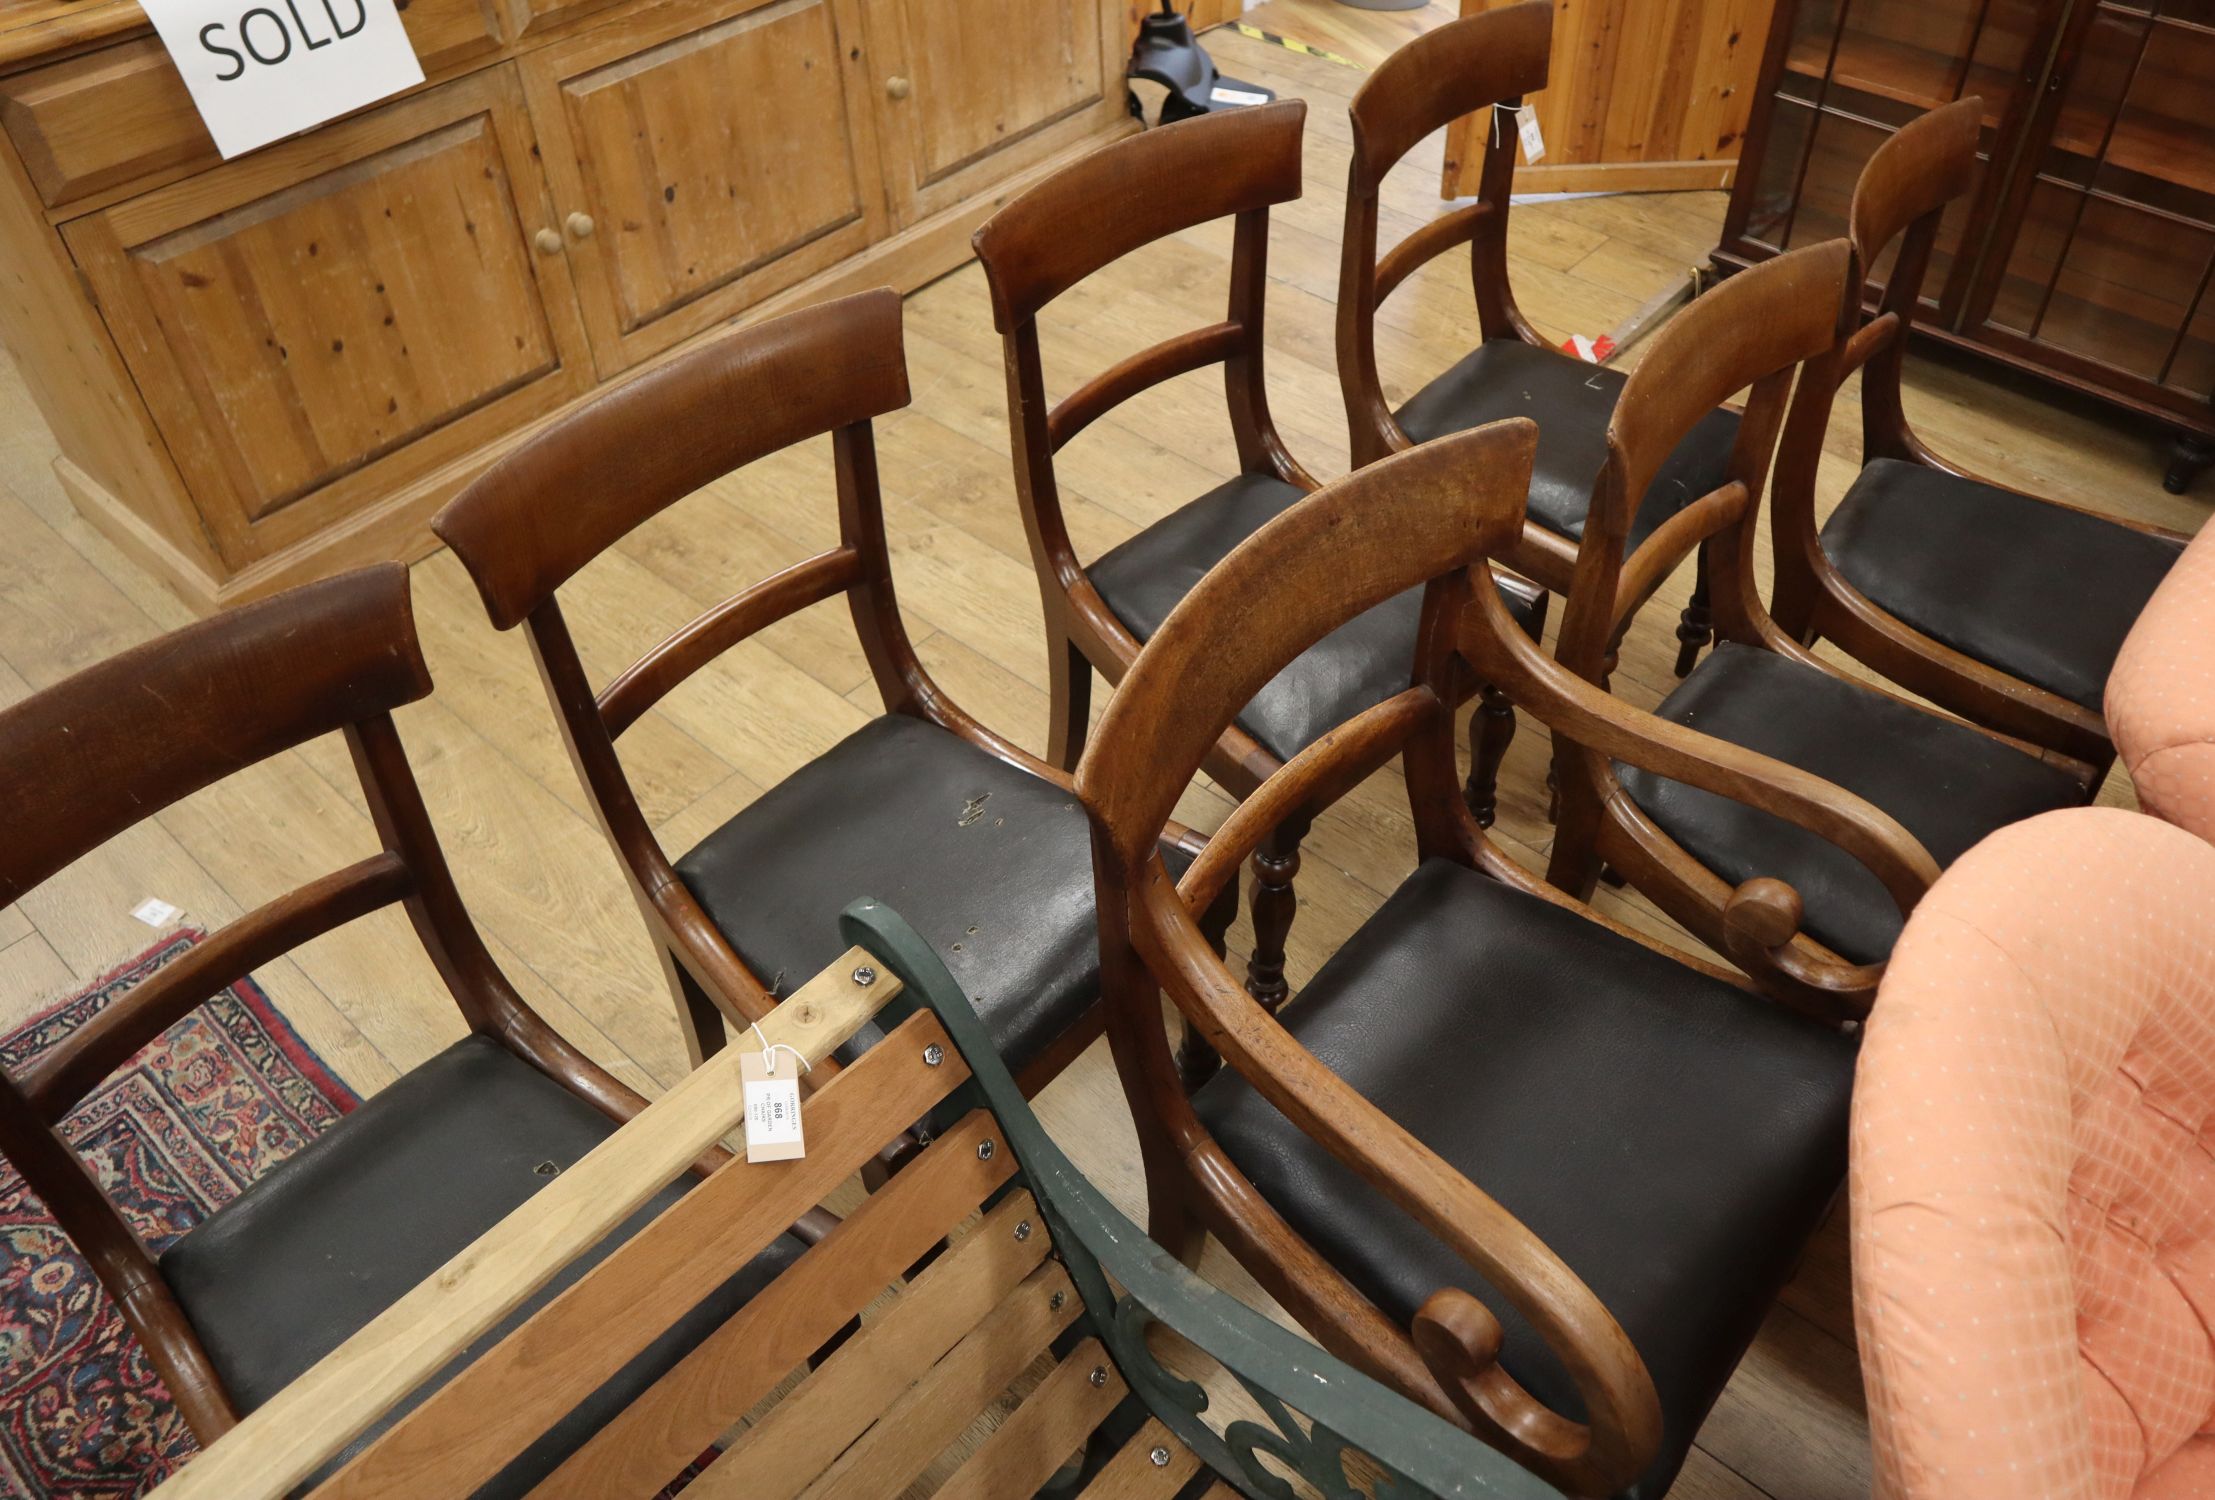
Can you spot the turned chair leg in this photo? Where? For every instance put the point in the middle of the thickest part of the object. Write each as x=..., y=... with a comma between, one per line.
x=1275, y=864
x=1069, y=720
x=1491, y=731
x=1695, y=625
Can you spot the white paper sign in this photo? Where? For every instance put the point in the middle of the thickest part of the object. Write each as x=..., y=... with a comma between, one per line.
x=155, y=912
x=261, y=70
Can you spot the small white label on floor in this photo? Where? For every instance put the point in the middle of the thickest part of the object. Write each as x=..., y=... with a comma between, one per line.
x=1222, y=95
x=772, y=1107
x=155, y=912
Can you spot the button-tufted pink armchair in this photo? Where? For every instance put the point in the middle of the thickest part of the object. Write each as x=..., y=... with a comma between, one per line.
x=2161, y=694
x=2032, y=1189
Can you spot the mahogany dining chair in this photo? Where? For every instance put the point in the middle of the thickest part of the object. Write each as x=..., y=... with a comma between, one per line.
x=2003, y=607
x=243, y=1302
x=1484, y=64
x=1527, y=1165
x=1109, y=204
x=981, y=843
x=1816, y=932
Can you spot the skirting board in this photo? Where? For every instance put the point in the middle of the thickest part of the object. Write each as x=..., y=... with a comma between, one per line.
x=1627, y=177
x=398, y=526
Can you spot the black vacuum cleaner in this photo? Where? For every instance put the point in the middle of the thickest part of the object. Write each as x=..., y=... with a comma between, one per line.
x=1168, y=54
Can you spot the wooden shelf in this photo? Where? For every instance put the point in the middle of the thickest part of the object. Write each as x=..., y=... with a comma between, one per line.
x=1899, y=71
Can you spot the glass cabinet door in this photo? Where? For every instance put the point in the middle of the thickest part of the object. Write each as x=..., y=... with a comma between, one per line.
x=1853, y=72
x=2114, y=237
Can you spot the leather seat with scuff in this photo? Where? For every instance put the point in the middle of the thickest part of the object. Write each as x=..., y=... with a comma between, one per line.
x=1355, y=667
x=1947, y=784
x=991, y=864
x=1674, y=1139
x=1572, y=402
x=2042, y=592
x=340, y=1230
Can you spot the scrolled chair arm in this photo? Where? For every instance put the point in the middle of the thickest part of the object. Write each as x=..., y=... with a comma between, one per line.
x=1761, y=918
x=1127, y=1282
x=1623, y=1427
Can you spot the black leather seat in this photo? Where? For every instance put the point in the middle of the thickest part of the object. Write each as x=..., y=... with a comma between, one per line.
x=2042, y=592
x=1355, y=667
x=340, y=1230
x=1673, y=1139
x=1946, y=783
x=1571, y=401
x=991, y=864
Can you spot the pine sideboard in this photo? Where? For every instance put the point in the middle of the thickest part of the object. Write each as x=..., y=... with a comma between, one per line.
x=266, y=370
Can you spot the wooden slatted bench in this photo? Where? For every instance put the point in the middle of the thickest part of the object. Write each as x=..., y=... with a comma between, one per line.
x=996, y=1329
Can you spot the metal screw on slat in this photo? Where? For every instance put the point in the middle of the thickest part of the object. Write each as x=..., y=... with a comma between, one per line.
x=1099, y=1375
x=1053, y=1303
x=985, y=1150
x=1160, y=1458
x=865, y=976
x=933, y=1055
x=1023, y=1230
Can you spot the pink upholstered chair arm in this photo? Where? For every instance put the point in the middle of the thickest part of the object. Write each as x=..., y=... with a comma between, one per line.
x=2161, y=694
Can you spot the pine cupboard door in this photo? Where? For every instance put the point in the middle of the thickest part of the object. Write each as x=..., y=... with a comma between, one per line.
x=705, y=156
x=323, y=324
x=972, y=91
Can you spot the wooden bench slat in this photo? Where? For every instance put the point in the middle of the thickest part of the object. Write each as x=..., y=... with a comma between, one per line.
x=783, y=1453
x=1133, y=1475
x=470, y=1429
x=283, y=1441
x=943, y=1404
x=741, y=1362
x=1045, y=1431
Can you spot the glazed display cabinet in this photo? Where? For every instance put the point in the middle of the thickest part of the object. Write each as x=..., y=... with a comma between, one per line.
x=2085, y=250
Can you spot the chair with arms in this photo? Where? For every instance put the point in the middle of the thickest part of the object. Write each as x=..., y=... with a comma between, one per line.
x=2033, y=1213
x=888, y=809
x=1536, y=1170
x=1483, y=64
x=1095, y=211
x=2005, y=608
x=310, y=1252
x=1819, y=939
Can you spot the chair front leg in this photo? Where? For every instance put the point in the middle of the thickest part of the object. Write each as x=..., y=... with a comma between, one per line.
x=1695, y=623
x=1491, y=731
x=697, y=1017
x=1272, y=906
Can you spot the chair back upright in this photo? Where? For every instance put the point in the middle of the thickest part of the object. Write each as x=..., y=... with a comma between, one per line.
x=2033, y=1218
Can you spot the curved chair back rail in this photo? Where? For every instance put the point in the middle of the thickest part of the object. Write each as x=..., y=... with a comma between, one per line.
x=622, y=458
x=1017, y=1248
x=2031, y=1205
x=1132, y=192
x=560, y=499
x=90, y=757
x=1427, y=515
x=2161, y=695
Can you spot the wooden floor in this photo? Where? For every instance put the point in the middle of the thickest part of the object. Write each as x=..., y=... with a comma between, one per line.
x=547, y=891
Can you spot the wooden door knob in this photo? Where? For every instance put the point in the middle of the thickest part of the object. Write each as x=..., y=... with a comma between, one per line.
x=548, y=241
x=580, y=226
x=896, y=87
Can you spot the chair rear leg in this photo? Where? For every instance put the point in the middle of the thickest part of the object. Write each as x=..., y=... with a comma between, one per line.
x=1491, y=731
x=1695, y=623
x=1272, y=907
x=1069, y=676
x=697, y=1017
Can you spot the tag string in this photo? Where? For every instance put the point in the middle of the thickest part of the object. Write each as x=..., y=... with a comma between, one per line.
x=1496, y=108
x=769, y=1051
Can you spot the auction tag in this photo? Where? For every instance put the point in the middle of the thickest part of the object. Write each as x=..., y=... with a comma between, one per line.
x=772, y=1103
x=1221, y=95
x=155, y=912
x=260, y=70
x=1534, y=141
